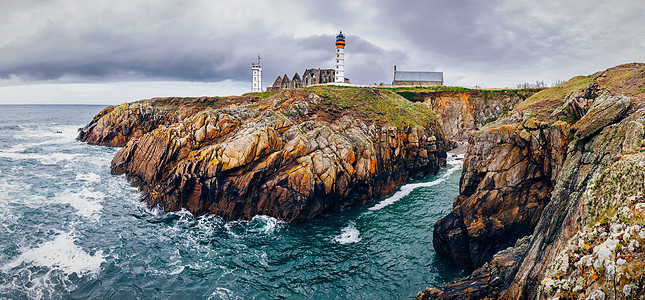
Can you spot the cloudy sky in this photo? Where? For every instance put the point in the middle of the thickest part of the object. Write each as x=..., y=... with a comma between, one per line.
x=112, y=51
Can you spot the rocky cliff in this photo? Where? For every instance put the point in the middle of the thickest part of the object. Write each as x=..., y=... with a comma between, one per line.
x=294, y=156
x=115, y=125
x=462, y=110
x=563, y=175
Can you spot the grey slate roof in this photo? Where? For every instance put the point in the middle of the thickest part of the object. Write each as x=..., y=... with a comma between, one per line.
x=418, y=76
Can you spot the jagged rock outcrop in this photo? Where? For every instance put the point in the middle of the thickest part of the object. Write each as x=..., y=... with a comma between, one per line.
x=580, y=246
x=507, y=179
x=487, y=281
x=115, y=125
x=293, y=156
x=588, y=195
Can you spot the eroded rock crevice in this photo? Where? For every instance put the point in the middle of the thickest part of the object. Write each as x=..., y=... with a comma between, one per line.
x=505, y=186
x=293, y=156
x=588, y=155
x=461, y=112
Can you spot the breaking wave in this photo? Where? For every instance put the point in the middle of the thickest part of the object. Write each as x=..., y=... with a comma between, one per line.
x=455, y=163
x=71, y=230
x=348, y=235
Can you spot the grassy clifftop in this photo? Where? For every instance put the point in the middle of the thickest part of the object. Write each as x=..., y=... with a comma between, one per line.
x=627, y=79
x=371, y=105
x=115, y=125
x=381, y=107
x=293, y=155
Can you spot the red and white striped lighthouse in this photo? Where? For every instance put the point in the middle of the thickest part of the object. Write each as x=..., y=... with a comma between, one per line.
x=339, y=72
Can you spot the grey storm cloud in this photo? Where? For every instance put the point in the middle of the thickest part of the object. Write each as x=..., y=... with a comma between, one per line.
x=199, y=40
x=93, y=50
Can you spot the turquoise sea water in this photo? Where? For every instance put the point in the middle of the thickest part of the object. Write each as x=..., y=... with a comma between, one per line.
x=69, y=229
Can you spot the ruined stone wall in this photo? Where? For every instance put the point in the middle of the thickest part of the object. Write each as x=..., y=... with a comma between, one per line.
x=317, y=76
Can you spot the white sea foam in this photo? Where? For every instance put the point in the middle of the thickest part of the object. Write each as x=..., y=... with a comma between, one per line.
x=267, y=225
x=185, y=215
x=454, y=161
x=156, y=210
x=264, y=259
x=259, y=224
x=42, y=137
x=348, y=235
x=31, y=133
x=230, y=229
x=87, y=203
x=62, y=254
x=90, y=177
x=46, y=139
x=45, y=159
x=16, y=191
x=224, y=294
x=177, y=270
x=7, y=218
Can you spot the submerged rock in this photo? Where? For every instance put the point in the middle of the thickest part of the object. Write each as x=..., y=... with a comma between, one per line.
x=293, y=156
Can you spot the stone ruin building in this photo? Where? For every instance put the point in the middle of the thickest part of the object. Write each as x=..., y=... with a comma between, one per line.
x=310, y=77
x=316, y=76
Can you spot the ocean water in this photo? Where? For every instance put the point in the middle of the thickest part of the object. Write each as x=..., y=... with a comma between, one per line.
x=71, y=230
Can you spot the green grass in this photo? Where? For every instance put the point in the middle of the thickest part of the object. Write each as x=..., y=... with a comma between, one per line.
x=400, y=107
x=443, y=88
x=262, y=95
x=417, y=93
x=380, y=106
x=558, y=92
x=196, y=102
x=212, y=102
x=412, y=96
x=543, y=103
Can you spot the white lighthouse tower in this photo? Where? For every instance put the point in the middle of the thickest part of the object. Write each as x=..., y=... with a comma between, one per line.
x=339, y=72
x=257, y=76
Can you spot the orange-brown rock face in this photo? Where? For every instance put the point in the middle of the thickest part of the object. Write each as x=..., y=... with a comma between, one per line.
x=291, y=156
x=115, y=125
x=461, y=112
x=564, y=169
x=508, y=176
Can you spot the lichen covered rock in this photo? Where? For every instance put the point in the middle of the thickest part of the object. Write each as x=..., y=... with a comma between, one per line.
x=293, y=156
x=586, y=242
x=115, y=125
x=508, y=176
x=462, y=110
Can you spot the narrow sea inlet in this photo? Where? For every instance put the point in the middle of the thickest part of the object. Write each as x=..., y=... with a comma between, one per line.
x=70, y=229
